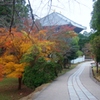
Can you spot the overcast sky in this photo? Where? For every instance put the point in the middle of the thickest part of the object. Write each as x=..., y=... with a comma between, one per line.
x=76, y=10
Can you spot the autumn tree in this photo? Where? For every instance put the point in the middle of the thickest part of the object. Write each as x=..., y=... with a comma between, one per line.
x=15, y=46
x=65, y=45
x=21, y=50
x=40, y=68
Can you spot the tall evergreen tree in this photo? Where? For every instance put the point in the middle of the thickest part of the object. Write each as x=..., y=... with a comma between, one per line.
x=96, y=49
x=8, y=9
x=95, y=38
x=95, y=21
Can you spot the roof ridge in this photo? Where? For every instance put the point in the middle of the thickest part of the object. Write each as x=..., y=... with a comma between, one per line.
x=62, y=18
x=55, y=17
x=46, y=16
x=69, y=19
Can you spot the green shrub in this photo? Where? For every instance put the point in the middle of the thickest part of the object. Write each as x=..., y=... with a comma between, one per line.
x=41, y=72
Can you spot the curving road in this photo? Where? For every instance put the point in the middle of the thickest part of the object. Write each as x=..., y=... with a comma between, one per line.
x=76, y=89
x=74, y=85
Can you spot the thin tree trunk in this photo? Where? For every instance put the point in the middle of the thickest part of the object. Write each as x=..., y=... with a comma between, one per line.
x=19, y=83
x=97, y=67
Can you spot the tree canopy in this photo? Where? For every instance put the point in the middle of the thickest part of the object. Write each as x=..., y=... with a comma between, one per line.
x=95, y=25
x=15, y=10
x=96, y=16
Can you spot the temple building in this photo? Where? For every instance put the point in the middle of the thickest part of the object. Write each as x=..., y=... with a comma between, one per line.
x=57, y=22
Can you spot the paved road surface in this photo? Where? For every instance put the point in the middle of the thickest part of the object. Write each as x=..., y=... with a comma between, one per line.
x=74, y=85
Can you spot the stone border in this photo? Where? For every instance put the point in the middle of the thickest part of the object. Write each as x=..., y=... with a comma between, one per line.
x=36, y=92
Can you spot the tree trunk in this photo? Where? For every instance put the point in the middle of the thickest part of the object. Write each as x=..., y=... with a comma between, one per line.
x=19, y=83
x=97, y=67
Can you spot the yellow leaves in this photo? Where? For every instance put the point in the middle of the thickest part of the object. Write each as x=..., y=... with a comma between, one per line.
x=19, y=67
x=1, y=60
x=9, y=58
x=15, y=75
x=24, y=47
x=13, y=69
x=9, y=67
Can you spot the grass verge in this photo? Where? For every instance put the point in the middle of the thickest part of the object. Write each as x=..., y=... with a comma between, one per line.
x=9, y=91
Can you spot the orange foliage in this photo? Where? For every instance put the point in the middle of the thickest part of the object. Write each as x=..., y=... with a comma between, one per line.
x=19, y=43
x=15, y=44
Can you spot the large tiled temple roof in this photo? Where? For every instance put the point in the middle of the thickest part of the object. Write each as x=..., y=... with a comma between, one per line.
x=56, y=19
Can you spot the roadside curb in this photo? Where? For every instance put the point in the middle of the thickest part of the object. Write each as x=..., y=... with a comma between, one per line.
x=37, y=91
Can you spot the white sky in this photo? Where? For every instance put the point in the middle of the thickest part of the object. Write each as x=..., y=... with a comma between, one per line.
x=76, y=10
